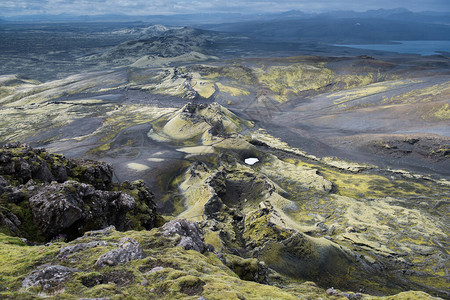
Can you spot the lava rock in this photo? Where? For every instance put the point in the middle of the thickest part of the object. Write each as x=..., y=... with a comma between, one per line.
x=71, y=208
x=190, y=233
x=99, y=174
x=80, y=247
x=48, y=276
x=129, y=249
x=3, y=185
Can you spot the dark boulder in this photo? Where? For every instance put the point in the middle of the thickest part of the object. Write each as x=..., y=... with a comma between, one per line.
x=73, y=208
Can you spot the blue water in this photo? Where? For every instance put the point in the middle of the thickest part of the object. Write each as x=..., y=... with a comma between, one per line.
x=411, y=47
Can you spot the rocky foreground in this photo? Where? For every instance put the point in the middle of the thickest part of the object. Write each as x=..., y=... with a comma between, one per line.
x=69, y=231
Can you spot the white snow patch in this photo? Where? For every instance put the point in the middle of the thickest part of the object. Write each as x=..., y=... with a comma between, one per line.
x=138, y=167
x=251, y=161
x=155, y=159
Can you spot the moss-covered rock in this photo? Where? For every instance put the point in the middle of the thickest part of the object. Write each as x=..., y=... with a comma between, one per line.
x=38, y=201
x=166, y=272
x=247, y=268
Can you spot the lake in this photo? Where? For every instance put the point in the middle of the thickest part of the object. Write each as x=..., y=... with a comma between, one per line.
x=411, y=47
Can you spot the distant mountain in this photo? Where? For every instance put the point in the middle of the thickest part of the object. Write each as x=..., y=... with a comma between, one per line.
x=179, y=20
x=379, y=13
x=338, y=30
x=143, y=31
x=168, y=44
x=398, y=14
x=70, y=18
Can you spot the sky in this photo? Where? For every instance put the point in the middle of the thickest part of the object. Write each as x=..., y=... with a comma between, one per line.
x=153, y=7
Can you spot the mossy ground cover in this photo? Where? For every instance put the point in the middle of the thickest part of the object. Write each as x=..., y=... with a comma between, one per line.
x=390, y=219
x=167, y=272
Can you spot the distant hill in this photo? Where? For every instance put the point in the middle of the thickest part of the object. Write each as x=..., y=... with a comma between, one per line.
x=41, y=18
x=399, y=14
x=179, y=20
x=338, y=30
x=168, y=44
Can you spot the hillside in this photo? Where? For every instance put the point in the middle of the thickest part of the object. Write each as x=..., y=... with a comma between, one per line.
x=147, y=161
x=364, y=30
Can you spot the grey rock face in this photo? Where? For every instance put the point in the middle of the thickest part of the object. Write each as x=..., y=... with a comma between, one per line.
x=3, y=185
x=80, y=247
x=72, y=207
x=190, y=233
x=10, y=220
x=129, y=249
x=48, y=276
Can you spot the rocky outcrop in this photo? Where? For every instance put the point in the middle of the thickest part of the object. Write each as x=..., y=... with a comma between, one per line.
x=22, y=163
x=74, y=208
x=188, y=232
x=44, y=195
x=80, y=247
x=48, y=277
x=167, y=272
x=129, y=249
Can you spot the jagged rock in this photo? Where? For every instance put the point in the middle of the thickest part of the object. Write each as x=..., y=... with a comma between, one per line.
x=3, y=185
x=190, y=234
x=23, y=163
x=80, y=247
x=61, y=206
x=129, y=249
x=72, y=208
x=10, y=221
x=99, y=174
x=145, y=210
x=48, y=276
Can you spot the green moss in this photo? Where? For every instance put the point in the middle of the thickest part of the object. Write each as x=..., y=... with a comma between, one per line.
x=249, y=269
x=182, y=274
x=17, y=259
x=259, y=229
x=213, y=239
x=27, y=227
x=287, y=81
x=101, y=149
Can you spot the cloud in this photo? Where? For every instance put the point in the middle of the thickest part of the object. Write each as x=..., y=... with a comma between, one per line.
x=143, y=7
